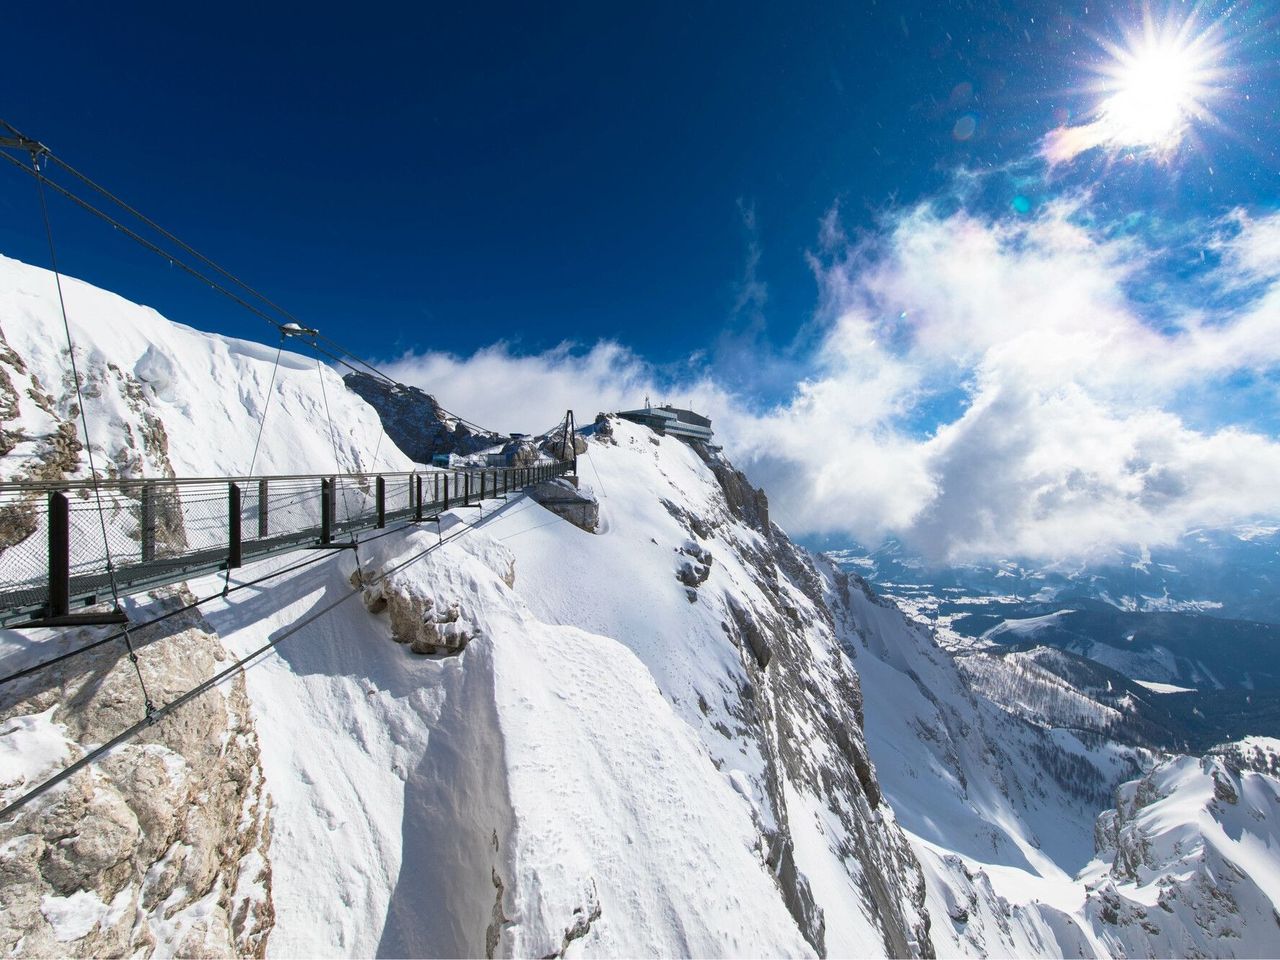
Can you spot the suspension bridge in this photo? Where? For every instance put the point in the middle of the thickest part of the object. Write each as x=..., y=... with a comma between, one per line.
x=70, y=549
x=55, y=568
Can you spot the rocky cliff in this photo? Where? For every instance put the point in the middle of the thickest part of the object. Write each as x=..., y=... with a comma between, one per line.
x=164, y=846
x=415, y=422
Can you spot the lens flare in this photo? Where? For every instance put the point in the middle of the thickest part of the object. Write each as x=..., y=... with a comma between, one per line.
x=1156, y=87
x=1152, y=88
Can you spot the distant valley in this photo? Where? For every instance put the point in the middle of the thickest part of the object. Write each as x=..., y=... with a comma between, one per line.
x=1172, y=649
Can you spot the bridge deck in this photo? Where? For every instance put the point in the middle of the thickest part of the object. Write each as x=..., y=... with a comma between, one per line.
x=61, y=585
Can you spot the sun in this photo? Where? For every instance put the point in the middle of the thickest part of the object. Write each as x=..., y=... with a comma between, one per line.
x=1158, y=83
x=1156, y=95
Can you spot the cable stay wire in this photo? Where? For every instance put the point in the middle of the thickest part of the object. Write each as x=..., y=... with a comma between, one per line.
x=84, y=421
x=83, y=178
x=340, y=355
x=161, y=712
x=333, y=350
x=266, y=406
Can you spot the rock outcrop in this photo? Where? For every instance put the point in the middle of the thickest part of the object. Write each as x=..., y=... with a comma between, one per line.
x=1211, y=895
x=162, y=846
x=576, y=504
x=801, y=704
x=415, y=422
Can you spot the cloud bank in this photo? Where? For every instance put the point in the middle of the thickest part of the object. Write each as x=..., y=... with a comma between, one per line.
x=980, y=387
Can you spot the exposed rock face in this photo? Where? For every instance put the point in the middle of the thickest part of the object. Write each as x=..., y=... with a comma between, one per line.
x=162, y=846
x=695, y=569
x=415, y=422
x=519, y=453
x=804, y=706
x=746, y=502
x=562, y=498
x=1210, y=894
x=603, y=428
x=560, y=448
x=426, y=623
x=40, y=440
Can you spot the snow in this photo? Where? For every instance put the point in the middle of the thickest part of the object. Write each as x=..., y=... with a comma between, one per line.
x=565, y=752
x=1156, y=687
x=388, y=769
x=32, y=747
x=577, y=778
x=209, y=391
x=72, y=917
x=1026, y=627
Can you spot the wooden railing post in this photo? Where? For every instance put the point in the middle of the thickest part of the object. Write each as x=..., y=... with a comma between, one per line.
x=235, y=547
x=148, y=537
x=380, y=486
x=59, y=555
x=262, y=508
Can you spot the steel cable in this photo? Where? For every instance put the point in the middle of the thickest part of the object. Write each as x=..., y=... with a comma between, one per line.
x=161, y=712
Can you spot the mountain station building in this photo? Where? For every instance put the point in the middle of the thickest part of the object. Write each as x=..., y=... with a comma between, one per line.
x=673, y=421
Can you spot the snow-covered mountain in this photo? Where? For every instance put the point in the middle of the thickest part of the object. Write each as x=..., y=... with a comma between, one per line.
x=1229, y=572
x=678, y=735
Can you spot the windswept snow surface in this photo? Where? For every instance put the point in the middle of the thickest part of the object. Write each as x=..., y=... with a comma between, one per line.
x=651, y=744
x=209, y=392
x=544, y=758
x=1024, y=850
x=598, y=771
x=1156, y=687
x=575, y=776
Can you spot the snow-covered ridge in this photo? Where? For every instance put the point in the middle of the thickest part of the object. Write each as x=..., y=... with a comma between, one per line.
x=652, y=742
x=622, y=759
x=163, y=399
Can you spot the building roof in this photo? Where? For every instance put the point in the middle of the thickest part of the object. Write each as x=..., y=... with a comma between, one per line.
x=674, y=420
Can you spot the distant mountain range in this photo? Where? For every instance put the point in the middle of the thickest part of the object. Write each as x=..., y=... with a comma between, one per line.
x=1232, y=572
x=1175, y=649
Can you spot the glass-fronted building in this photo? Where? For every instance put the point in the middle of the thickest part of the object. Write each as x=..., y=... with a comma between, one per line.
x=673, y=421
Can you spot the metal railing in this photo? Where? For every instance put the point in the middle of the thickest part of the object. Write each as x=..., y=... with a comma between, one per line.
x=53, y=558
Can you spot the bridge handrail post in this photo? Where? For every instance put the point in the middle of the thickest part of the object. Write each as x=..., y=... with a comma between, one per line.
x=59, y=554
x=326, y=510
x=380, y=487
x=235, y=544
x=262, y=508
x=445, y=502
x=482, y=479
x=148, y=533
x=466, y=488
x=417, y=510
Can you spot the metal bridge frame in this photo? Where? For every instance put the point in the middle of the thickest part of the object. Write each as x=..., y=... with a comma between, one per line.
x=67, y=593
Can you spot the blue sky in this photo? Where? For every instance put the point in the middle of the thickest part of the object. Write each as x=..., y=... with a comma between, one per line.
x=697, y=198
x=442, y=178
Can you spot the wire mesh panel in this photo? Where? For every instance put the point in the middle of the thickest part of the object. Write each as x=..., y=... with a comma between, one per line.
x=127, y=535
x=24, y=554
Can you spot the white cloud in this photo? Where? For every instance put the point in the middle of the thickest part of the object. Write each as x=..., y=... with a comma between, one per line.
x=507, y=391
x=1059, y=432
